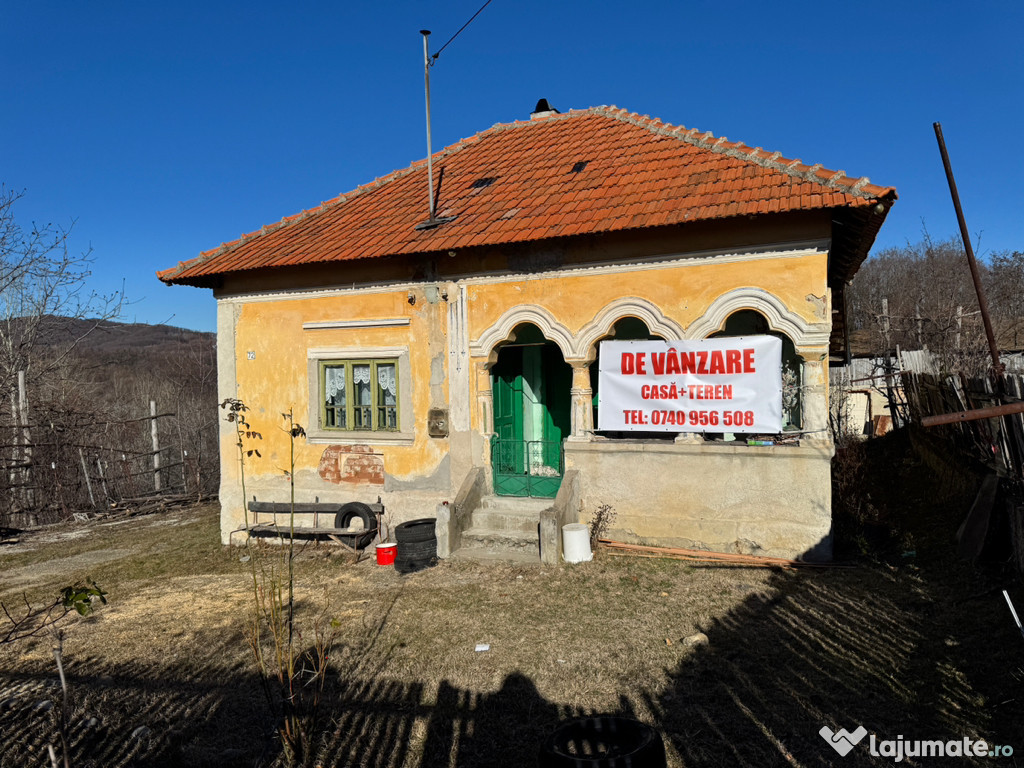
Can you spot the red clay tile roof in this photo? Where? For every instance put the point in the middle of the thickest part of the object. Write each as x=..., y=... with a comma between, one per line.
x=639, y=173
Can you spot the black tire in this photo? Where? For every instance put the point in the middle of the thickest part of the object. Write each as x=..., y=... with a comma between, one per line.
x=415, y=530
x=351, y=511
x=603, y=742
x=404, y=565
x=417, y=550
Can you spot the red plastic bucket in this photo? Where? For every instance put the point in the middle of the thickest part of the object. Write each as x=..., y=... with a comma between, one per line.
x=386, y=554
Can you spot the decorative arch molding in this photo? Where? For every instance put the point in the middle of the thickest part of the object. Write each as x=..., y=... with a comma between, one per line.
x=627, y=306
x=524, y=313
x=806, y=337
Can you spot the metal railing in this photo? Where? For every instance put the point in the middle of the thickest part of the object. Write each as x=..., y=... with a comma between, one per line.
x=527, y=467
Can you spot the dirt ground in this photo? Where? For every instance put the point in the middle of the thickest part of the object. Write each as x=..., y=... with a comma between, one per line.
x=909, y=642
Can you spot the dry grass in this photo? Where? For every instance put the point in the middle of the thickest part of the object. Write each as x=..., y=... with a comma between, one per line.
x=889, y=647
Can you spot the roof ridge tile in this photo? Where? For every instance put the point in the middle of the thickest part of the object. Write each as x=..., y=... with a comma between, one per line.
x=704, y=141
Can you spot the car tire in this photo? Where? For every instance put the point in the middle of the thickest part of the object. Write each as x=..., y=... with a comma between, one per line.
x=417, y=550
x=416, y=530
x=408, y=565
x=351, y=511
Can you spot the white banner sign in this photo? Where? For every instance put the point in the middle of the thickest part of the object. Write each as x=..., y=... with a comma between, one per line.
x=729, y=384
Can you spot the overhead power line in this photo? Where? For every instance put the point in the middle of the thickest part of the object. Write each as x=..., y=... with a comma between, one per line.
x=434, y=57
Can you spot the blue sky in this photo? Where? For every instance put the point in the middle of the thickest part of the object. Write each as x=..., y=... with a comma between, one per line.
x=166, y=129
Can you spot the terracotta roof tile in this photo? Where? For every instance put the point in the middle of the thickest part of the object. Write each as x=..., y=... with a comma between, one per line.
x=640, y=173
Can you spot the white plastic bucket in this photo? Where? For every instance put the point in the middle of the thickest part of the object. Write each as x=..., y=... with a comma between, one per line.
x=576, y=543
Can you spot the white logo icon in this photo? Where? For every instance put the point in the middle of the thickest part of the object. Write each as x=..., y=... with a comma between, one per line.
x=843, y=741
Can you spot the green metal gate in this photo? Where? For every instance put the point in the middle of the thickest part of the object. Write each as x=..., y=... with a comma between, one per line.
x=526, y=467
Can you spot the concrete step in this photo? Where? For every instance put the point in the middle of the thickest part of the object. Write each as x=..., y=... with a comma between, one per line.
x=497, y=556
x=506, y=520
x=522, y=504
x=491, y=540
x=504, y=528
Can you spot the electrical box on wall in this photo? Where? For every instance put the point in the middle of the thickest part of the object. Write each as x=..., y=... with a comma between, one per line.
x=437, y=422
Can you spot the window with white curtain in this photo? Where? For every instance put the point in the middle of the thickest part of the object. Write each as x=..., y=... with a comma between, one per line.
x=359, y=395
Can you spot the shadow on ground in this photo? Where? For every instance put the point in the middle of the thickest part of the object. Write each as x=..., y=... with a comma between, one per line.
x=917, y=646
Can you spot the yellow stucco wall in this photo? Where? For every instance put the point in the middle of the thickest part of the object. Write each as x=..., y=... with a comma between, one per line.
x=682, y=292
x=278, y=377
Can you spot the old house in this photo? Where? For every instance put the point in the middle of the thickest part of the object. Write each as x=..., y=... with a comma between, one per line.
x=453, y=359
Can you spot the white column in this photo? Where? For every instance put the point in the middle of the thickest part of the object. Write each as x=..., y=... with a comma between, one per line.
x=582, y=402
x=485, y=400
x=485, y=413
x=459, y=403
x=814, y=397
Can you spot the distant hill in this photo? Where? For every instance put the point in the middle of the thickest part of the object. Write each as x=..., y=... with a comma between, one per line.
x=90, y=386
x=109, y=337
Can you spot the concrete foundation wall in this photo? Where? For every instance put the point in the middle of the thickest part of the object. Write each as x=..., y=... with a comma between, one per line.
x=772, y=501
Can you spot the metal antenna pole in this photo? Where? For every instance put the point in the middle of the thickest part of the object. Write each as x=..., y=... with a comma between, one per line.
x=993, y=348
x=430, y=164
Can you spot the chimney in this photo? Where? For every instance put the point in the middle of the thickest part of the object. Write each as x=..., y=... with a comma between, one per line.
x=543, y=109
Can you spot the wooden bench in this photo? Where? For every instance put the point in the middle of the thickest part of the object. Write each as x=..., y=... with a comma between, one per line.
x=354, y=539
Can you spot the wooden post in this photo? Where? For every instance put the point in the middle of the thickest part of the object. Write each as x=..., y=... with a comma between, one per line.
x=60, y=488
x=26, y=440
x=85, y=473
x=182, y=452
x=890, y=395
x=103, y=479
x=184, y=471
x=156, y=446
x=885, y=323
x=972, y=415
x=13, y=474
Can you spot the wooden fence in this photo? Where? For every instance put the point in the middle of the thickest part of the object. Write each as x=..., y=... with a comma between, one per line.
x=60, y=465
x=996, y=443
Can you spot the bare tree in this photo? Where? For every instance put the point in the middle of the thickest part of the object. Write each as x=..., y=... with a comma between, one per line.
x=86, y=441
x=43, y=290
x=1004, y=285
x=43, y=284
x=920, y=296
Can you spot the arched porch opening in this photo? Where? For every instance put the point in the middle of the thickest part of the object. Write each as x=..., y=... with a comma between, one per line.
x=531, y=413
x=624, y=329
x=750, y=322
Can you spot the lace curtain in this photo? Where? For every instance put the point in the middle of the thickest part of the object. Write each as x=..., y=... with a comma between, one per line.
x=335, y=381
x=388, y=383
x=361, y=377
x=334, y=384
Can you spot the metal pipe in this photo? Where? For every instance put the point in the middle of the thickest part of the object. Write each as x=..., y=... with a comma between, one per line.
x=426, y=82
x=972, y=415
x=997, y=366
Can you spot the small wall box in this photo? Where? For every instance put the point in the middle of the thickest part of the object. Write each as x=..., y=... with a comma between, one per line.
x=437, y=422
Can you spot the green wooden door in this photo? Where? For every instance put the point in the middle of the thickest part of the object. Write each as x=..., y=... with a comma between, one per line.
x=521, y=466
x=508, y=459
x=546, y=474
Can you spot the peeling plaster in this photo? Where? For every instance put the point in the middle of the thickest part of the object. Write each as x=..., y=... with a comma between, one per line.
x=351, y=464
x=819, y=304
x=438, y=480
